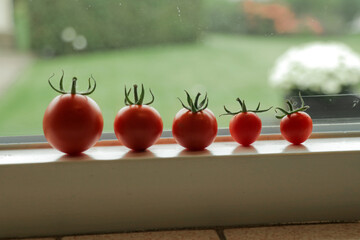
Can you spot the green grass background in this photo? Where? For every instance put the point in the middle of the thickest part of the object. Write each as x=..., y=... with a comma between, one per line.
x=224, y=66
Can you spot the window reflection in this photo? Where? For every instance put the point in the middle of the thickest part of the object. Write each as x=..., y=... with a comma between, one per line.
x=227, y=48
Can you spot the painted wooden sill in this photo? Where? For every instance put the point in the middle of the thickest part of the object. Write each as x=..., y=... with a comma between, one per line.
x=110, y=189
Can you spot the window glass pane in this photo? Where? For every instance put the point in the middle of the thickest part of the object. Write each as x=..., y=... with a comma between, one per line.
x=260, y=51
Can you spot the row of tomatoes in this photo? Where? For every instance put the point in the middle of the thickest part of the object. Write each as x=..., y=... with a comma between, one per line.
x=73, y=122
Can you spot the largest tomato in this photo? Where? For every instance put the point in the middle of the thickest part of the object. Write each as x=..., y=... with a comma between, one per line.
x=72, y=122
x=137, y=125
x=194, y=127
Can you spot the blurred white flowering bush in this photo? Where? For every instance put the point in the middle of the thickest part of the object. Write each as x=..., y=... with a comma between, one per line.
x=317, y=68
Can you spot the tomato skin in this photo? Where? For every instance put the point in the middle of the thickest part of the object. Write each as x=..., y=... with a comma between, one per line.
x=194, y=131
x=296, y=127
x=138, y=126
x=72, y=123
x=245, y=128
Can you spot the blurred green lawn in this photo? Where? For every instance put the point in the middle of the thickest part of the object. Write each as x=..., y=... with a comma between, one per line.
x=224, y=66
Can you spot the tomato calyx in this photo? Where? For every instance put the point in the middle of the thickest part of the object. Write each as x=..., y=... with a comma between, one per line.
x=244, y=109
x=137, y=100
x=195, y=106
x=291, y=110
x=61, y=90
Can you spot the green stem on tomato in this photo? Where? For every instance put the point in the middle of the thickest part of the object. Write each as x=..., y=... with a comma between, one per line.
x=73, y=85
x=138, y=100
x=61, y=90
x=61, y=81
x=136, y=94
x=244, y=109
x=302, y=108
x=194, y=106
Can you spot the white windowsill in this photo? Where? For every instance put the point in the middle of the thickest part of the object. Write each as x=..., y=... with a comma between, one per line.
x=224, y=146
x=110, y=189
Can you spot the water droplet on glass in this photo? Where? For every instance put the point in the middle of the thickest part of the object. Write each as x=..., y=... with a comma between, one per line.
x=68, y=34
x=355, y=103
x=79, y=43
x=179, y=12
x=294, y=102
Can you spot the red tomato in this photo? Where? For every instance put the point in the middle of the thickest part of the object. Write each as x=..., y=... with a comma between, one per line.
x=138, y=126
x=245, y=125
x=72, y=122
x=296, y=127
x=194, y=131
x=245, y=128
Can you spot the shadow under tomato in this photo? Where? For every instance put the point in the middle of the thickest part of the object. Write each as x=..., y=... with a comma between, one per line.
x=186, y=152
x=242, y=149
x=292, y=148
x=143, y=154
x=78, y=157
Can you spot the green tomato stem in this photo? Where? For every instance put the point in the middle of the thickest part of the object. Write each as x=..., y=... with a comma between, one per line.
x=73, y=85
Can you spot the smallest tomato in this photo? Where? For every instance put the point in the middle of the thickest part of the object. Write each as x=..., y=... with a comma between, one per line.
x=245, y=125
x=295, y=125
